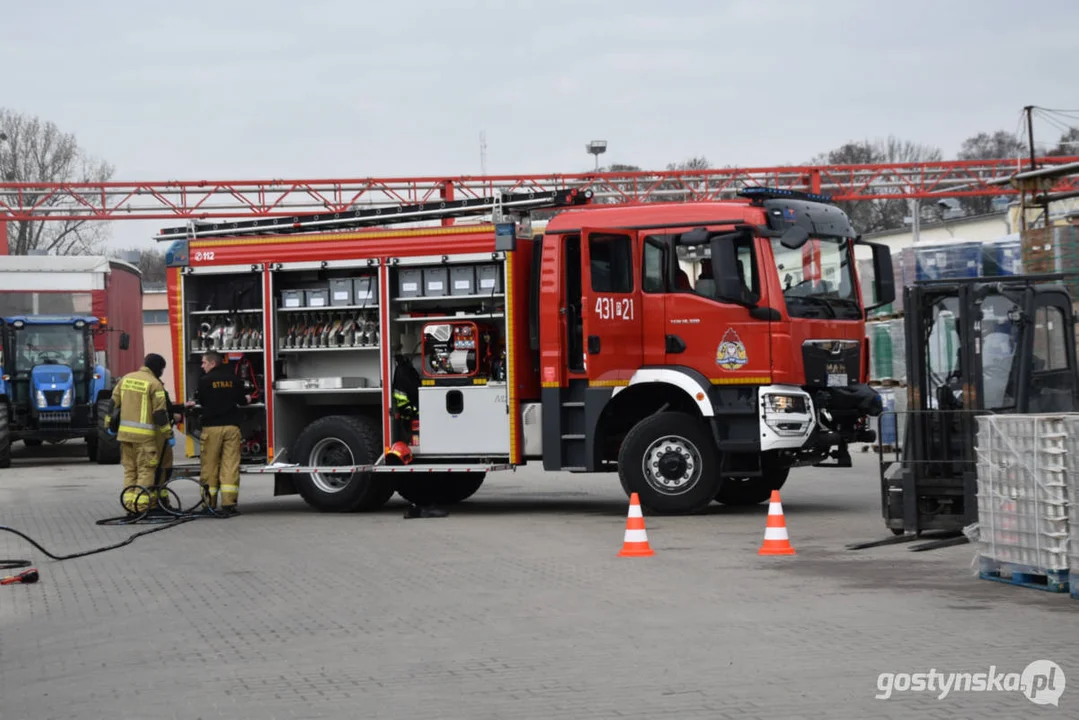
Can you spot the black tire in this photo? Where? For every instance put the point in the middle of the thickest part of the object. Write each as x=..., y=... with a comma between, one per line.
x=438, y=488
x=32, y=442
x=5, y=438
x=107, y=451
x=356, y=441
x=91, y=446
x=684, y=446
x=751, y=491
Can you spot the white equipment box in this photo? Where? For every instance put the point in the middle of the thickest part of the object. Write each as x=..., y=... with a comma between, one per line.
x=466, y=420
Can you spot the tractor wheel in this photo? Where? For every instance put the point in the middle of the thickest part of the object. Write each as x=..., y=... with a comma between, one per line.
x=107, y=451
x=670, y=460
x=342, y=440
x=5, y=438
x=438, y=488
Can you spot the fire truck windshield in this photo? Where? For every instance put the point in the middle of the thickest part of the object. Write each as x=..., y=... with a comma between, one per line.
x=818, y=279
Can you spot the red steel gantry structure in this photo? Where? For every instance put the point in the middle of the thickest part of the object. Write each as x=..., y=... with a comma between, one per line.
x=219, y=199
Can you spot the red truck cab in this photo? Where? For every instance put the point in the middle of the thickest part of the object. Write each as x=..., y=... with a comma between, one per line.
x=713, y=388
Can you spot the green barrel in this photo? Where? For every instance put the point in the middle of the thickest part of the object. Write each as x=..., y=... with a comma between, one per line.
x=880, y=343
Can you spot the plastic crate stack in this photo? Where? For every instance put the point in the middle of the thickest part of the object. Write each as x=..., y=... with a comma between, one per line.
x=887, y=351
x=947, y=260
x=1023, y=492
x=1071, y=472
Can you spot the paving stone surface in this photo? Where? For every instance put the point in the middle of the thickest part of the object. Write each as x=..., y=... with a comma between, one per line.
x=515, y=606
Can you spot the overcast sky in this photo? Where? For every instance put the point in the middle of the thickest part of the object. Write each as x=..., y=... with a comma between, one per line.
x=268, y=88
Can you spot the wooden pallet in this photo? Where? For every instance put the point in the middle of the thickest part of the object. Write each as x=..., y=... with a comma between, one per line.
x=1023, y=575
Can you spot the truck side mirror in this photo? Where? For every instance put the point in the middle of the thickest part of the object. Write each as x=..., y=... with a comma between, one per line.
x=794, y=237
x=125, y=341
x=730, y=286
x=884, y=275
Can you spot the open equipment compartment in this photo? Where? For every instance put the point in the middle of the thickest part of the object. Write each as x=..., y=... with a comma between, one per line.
x=223, y=311
x=327, y=345
x=448, y=321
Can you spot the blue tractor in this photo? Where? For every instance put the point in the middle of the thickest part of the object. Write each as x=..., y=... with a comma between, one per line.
x=51, y=387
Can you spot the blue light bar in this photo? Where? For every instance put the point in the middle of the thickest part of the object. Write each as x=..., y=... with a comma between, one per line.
x=765, y=193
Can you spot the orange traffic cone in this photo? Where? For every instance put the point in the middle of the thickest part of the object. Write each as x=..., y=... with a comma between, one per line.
x=776, y=541
x=635, y=543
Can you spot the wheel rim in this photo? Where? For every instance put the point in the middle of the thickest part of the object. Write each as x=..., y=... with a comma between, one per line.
x=331, y=451
x=672, y=465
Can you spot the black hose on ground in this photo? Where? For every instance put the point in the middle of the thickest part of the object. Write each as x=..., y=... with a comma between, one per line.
x=170, y=514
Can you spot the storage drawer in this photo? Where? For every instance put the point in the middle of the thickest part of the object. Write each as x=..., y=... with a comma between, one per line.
x=469, y=420
x=436, y=282
x=488, y=279
x=341, y=291
x=365, y=291
x=463, y=280
x=317, y=298
x=410, y=283
x=291, y=298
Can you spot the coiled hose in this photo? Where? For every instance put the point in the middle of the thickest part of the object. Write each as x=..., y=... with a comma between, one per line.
x=169, y=514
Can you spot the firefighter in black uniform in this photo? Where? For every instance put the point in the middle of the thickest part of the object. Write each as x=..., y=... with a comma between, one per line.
x=220, y=393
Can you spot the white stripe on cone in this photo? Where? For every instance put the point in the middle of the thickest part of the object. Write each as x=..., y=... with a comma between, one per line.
x=635, y=511
x=775, y=533
x=636, y=536
x=775, y=509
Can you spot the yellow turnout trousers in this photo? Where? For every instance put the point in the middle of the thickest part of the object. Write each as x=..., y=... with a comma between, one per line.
x=220, y=466
x=140, y=460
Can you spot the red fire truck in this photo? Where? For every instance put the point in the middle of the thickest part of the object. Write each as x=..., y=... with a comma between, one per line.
x=416, y=360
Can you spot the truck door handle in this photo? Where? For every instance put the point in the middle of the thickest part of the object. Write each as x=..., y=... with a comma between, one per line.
x=675, y=345
x=593, y=344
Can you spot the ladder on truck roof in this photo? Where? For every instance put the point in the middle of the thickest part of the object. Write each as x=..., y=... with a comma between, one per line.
x=355, y=219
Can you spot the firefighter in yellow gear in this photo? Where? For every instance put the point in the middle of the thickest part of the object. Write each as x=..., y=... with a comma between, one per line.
x=220, y=393
x=140, y=421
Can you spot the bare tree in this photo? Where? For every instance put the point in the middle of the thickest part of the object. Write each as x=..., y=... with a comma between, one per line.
x=984, y=146
x=684, y=187
x=151, y=263
x=34, y=151
x=878, y=215
x=1067, y=145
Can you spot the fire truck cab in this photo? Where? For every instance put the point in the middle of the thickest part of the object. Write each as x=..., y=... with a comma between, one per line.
x=699, y=350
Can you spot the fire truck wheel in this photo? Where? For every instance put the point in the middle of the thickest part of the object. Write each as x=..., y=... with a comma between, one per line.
x=33, y=442
x=107, y=451
x=342, y=440
x=671, y=462
x=438, y=488
x=750, y=491
x=5, y=437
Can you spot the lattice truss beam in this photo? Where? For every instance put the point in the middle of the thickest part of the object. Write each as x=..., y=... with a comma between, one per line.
x=210, y=199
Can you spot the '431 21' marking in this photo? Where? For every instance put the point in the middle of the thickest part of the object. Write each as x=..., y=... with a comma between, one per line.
x=614, y=308
x=204, y=255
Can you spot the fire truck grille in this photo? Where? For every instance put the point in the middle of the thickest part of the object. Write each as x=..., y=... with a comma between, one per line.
x=832, y=363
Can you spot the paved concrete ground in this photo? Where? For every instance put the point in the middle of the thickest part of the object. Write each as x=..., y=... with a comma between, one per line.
x=515, y=606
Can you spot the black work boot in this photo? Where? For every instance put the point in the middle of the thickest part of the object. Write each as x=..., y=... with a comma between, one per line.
x=229, y=510
x=425, y=511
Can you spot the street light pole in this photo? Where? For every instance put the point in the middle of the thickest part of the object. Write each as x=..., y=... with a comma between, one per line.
x=4, y=249
x=597, y=148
